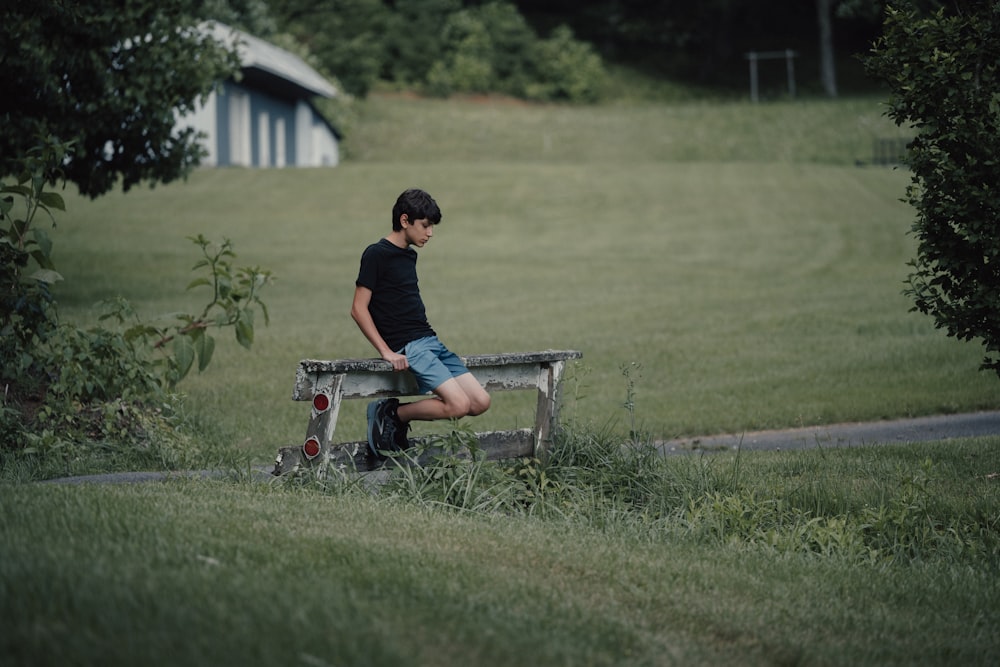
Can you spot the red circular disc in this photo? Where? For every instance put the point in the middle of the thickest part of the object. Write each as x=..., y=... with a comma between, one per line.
x=311, y=447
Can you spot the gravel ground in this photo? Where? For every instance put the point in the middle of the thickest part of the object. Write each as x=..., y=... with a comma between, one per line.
x=896, y=431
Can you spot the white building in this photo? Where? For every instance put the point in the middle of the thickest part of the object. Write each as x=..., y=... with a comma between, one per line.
x=267, y=119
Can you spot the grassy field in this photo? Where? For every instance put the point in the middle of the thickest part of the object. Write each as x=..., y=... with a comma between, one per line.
x=753, y=292
x=736, y=253
x=776, y=559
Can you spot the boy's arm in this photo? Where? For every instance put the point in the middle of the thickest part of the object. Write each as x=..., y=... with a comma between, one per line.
x=359, y=311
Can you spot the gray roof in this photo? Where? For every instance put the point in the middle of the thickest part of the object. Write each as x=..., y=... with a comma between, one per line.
x=258, y=54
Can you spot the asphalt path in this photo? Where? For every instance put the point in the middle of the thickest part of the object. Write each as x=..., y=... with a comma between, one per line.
x=896, y=431
x=855, y=434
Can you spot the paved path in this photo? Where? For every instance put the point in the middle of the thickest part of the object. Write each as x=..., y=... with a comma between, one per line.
x=896, y=431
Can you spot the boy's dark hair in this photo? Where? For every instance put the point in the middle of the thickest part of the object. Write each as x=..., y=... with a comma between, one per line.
x=417, y=205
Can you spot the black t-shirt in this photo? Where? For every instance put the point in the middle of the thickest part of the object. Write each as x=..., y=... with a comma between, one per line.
x=390, y=272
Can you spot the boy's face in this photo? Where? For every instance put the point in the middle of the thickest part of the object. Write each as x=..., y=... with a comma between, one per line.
x=418, y=232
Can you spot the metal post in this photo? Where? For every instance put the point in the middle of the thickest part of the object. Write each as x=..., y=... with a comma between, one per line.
x=752, y=57
x=790, y=64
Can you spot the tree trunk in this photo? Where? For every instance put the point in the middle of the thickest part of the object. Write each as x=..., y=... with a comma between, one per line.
x=827, y=70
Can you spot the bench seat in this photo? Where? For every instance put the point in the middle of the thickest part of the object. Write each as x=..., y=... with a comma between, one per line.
x=328, y=382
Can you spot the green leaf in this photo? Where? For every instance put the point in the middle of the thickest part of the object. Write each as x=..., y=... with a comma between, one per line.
x=184, y=355
x=42, y=259
x=43, y=241
x=206, y=347
x=244, y=333
x=139, y=331
x=52, y=200
x=46, y=276
x=197, y=282
x=22, y=190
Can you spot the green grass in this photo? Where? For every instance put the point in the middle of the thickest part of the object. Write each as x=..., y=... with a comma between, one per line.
x=754, y=293
x=398, y=129
x=734, y=251
x=219, y=573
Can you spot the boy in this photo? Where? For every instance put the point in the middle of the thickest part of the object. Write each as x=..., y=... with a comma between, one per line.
x=390, y=313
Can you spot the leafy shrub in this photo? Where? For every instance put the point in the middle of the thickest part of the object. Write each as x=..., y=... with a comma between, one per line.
x=67, y=389
x=943, y=72
x=491, y=48
x=566, y=69
x=26, y=305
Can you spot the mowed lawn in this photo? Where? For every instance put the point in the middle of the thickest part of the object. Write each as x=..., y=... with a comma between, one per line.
x=752, y=294
x=732, y=257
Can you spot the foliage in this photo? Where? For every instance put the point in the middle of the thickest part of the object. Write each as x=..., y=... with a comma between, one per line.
x=235, y=296
x=705, y=41
x=26, y=306
x=443, y=47
x=111, y=79
x=943, y=71
x=347, y=36
x=65, y=386
x=893, y=515
x=491, y=48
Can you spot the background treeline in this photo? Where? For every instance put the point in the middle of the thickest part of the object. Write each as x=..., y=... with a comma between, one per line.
x=559, y=49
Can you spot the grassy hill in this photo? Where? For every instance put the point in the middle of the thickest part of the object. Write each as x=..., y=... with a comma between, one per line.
x=731, y=259
x=734, y=251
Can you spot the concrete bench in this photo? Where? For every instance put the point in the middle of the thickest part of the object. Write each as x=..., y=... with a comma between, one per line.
x=327, y=383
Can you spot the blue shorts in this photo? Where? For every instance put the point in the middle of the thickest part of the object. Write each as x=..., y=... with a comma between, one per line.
x=431, y=363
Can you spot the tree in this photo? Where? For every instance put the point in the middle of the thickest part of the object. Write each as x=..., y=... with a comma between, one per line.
x=347, y=36
x=110, y=77
x=943, y=72
x=827, y=68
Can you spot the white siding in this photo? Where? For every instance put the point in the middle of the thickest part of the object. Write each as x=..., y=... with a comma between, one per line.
x=203, y=119
x=239, y=128
x=280, y=153
x=264, y=140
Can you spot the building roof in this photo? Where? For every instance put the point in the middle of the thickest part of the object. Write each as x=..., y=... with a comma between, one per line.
x=272, y=61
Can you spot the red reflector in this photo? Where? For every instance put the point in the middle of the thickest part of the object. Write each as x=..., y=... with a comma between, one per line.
x=311, y=448
x=321, y=402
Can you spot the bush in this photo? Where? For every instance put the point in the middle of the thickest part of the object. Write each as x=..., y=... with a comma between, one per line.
x=491, y=48
x=566, y=70
x=943, y=72
x=67, y=389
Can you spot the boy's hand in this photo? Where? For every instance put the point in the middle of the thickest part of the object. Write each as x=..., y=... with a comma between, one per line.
x=398, y=361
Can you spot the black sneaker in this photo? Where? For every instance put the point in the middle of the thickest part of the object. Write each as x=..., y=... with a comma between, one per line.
x=392, y=435
x=400, y=429
x=375, y=426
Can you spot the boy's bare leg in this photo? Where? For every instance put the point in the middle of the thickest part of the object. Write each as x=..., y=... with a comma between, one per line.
x=456, y=397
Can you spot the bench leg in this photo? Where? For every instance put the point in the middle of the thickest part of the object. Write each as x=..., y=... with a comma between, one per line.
x=547, y=412
x=323, y=419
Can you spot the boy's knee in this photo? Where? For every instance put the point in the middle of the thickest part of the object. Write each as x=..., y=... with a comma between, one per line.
x=479, y=405
x=458, y=407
